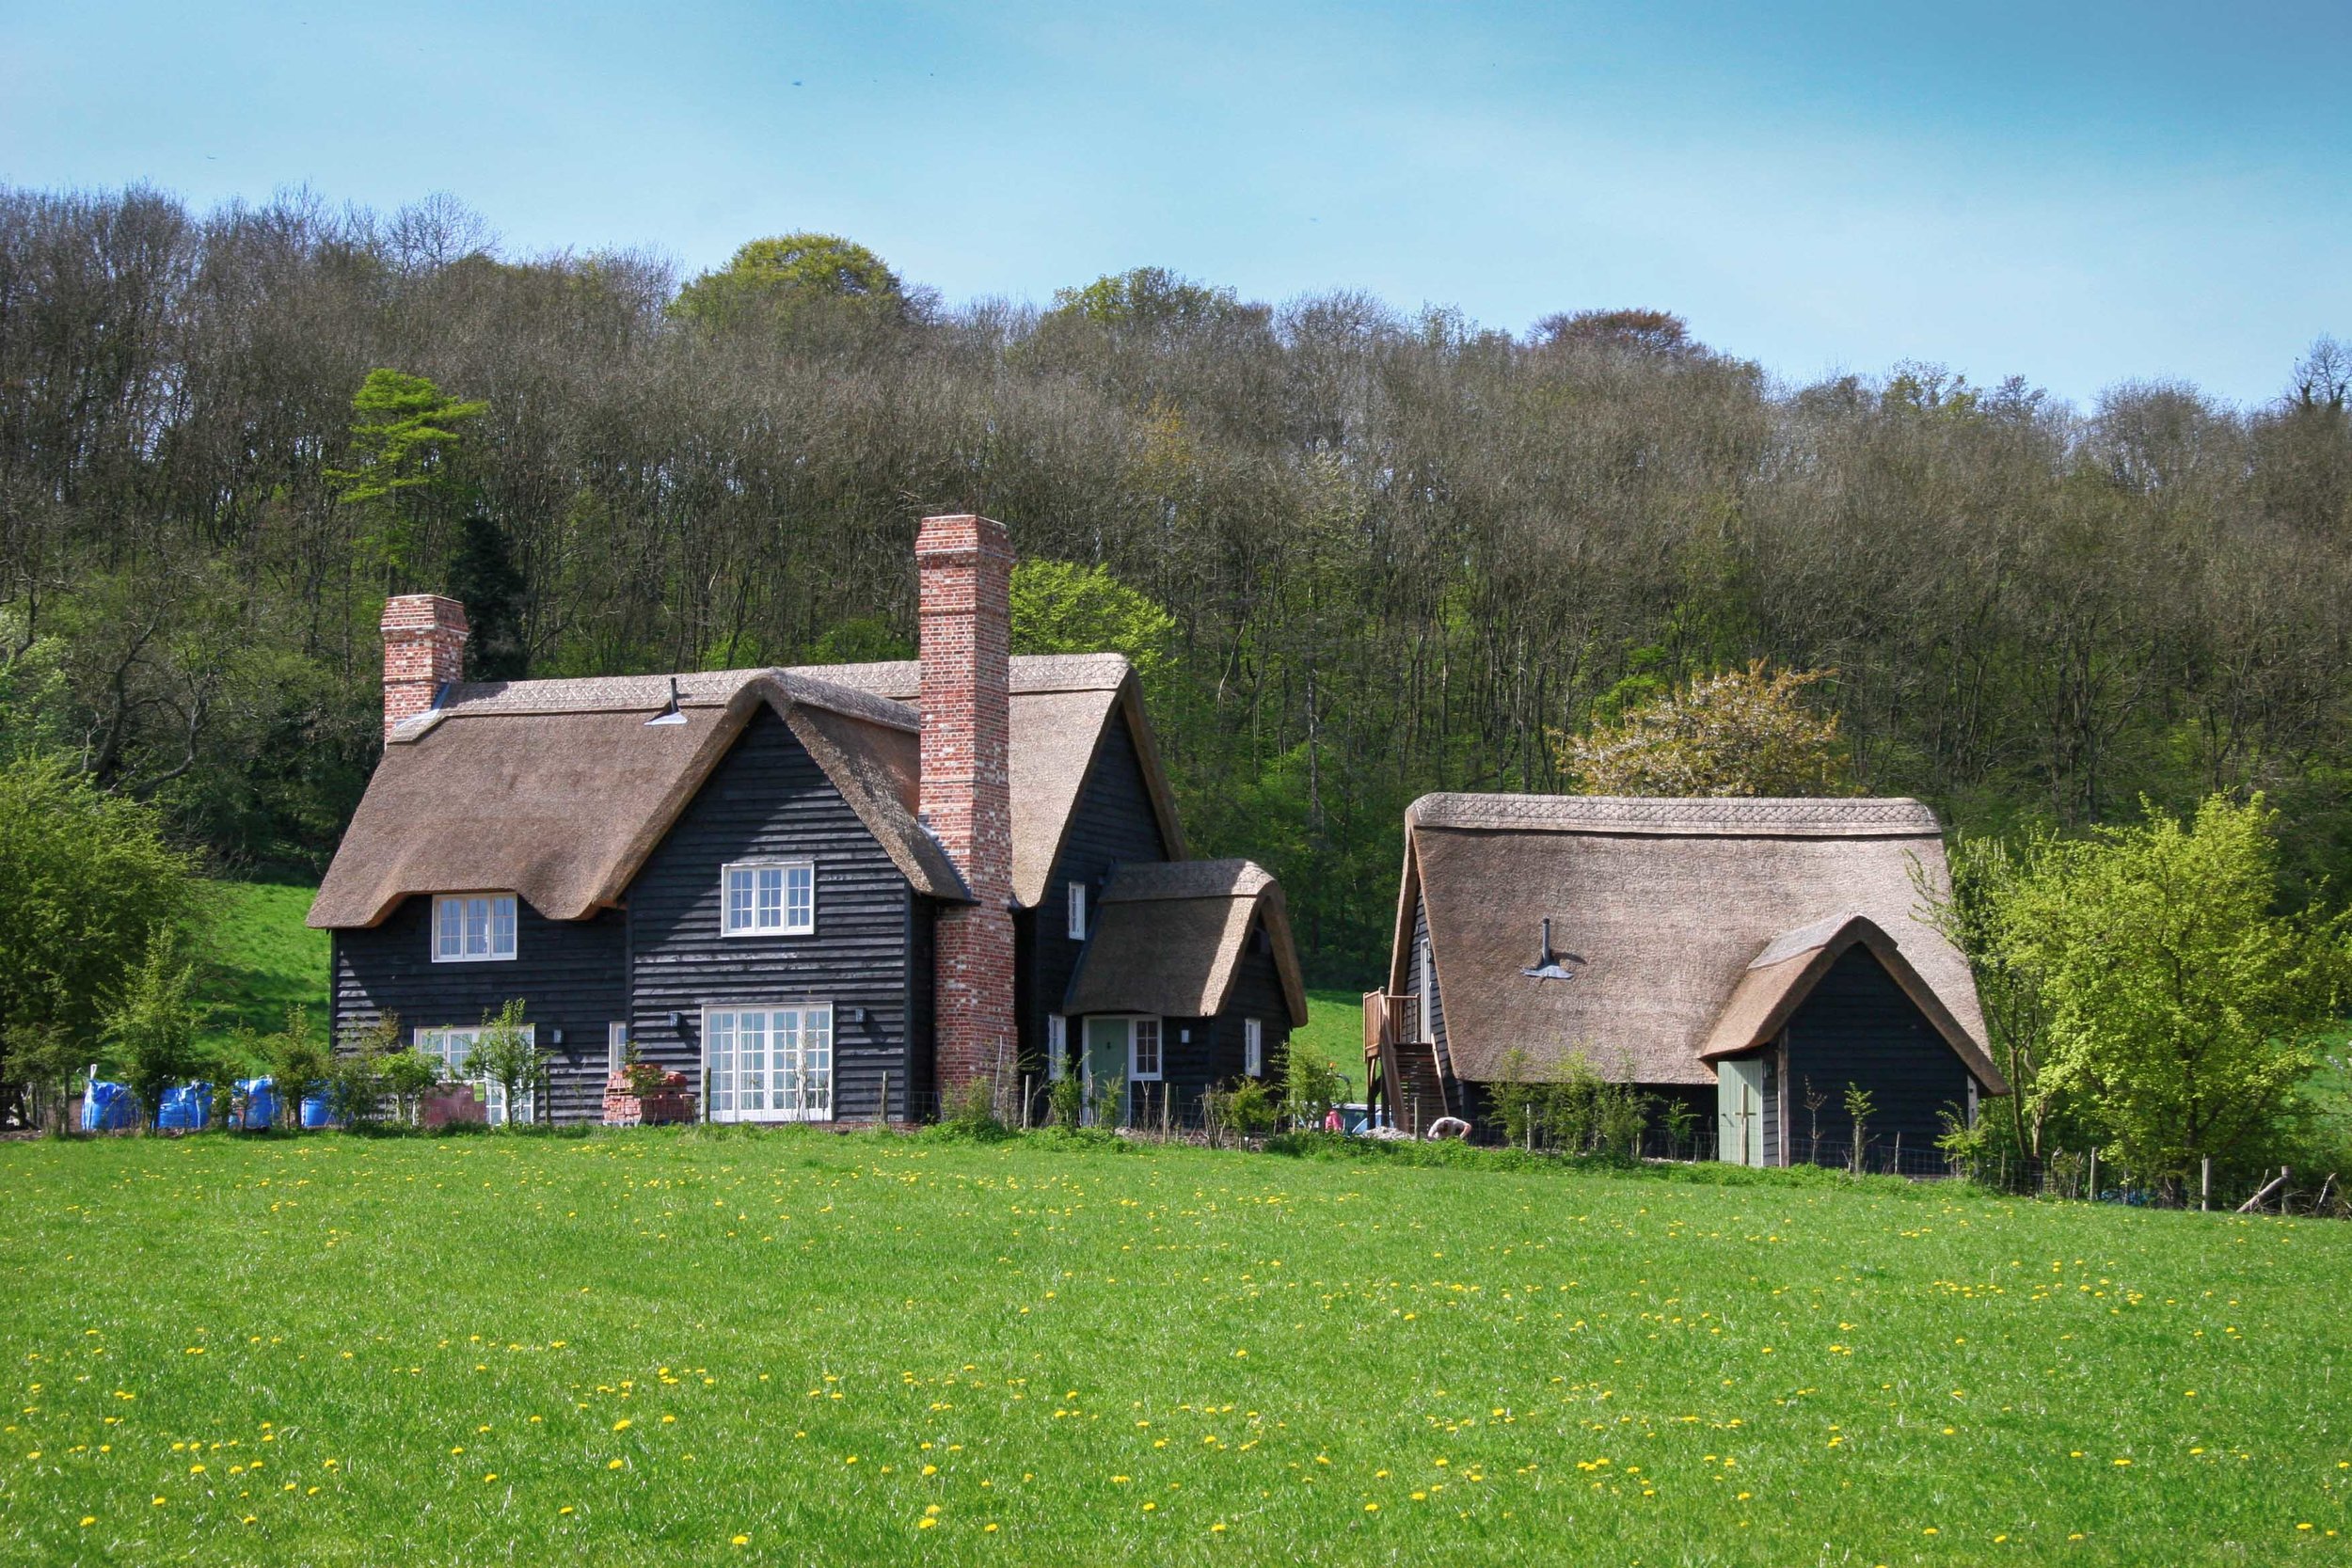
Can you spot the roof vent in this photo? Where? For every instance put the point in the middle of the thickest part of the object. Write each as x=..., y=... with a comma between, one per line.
x=669, y=713
x=1547, y=965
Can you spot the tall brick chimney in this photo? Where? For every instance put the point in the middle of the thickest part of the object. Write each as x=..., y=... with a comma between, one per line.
x=965, y=567
x=424, y=649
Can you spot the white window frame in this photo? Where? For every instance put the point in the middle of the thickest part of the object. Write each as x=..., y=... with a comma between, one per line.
x=452, y=1044
x=494, y=907
x=1077, y=928
x=1253, y=1048
x=1056, y=1047
x=754, y=909
x=1137, y=1027
x=723, y=1040
x=616, y=1047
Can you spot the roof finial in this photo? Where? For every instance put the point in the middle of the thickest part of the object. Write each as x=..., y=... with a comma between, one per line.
x=669, y=713
x=1548, y=967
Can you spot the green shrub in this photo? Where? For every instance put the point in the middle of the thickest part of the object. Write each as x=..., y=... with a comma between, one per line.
x=505, y=1055
x=1311, y=1085
x=150, y=1032
x=1066, y=1102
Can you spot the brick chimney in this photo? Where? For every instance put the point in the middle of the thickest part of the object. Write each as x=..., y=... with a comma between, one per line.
x=424, y=649
x=965, y=567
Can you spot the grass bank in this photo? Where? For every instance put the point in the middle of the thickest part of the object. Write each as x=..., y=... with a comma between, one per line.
x=798, y=1347
x=259, y=958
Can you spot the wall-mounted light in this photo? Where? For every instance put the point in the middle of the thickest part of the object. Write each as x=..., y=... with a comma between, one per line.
x=1184, y=1036
x=857, y=1014
x=676, y=1019
x=556, y=1034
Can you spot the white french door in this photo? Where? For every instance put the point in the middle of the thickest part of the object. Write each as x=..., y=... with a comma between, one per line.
x=769, y=1064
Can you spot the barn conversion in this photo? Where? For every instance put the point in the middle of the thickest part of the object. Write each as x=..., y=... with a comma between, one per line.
x=1751, y=958
x=832, y=892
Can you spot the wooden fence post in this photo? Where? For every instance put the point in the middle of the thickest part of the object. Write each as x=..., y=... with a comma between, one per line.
x=2205, y=1184
x=2095, y=1175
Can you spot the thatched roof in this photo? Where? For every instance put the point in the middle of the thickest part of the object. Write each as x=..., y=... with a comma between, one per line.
x=558, y=790
x=1061, y=711
x=1169, y=938
x=1780, y=978
x=1661, y=906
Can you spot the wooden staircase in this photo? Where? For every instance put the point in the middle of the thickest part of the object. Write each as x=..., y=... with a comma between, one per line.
x=1404, y=1080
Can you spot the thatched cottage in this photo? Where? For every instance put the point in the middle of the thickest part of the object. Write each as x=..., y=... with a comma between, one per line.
x=821, y=893
x=1752, y=959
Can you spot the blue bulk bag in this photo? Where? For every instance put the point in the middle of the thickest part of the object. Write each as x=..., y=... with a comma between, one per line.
x=185, y=1109
x=317, y=1111
x=259, y=1097
x=109, y=1108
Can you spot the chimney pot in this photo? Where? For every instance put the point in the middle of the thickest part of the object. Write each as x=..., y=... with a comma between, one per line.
x=425, y=650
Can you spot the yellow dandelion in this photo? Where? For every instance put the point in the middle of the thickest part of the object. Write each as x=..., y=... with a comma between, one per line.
x=614, y=1465
x=1217, y=1528
x=621, y=1425
x=89, y=1519
x=925, y=1524
x=1151, y=1508
x=1371, y=1508
x=988, y=1530
x=738, y=1541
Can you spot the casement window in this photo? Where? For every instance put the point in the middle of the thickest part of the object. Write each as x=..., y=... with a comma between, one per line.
x=453, y=1049
x=1077, y=911
x=768, y=1063
x=1143, y=1050
x=616, y=1047
x=473, y=927
x=768, y=899
x=1252, y=1047
x=1056, y=1047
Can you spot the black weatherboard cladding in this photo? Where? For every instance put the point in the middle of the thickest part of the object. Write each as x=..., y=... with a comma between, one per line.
x=769, y=799
x=1858, y=1027
x=1112, y=823
x=568, y=974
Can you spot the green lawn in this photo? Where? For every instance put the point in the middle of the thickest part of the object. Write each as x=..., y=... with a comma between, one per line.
x=798, y=1347
x=1335, y=1027
x=260, y=958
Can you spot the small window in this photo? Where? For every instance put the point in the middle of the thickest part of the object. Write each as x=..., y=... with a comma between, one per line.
x=473, y=927
x=616, y=1047
x=1056, y=1047
x=453, y=1049
x=1143, y=1052
x=1252, y=1047
x=1077, y=911
x=768, y=898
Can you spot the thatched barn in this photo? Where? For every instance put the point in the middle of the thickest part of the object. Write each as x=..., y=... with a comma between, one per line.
x=1751, y=959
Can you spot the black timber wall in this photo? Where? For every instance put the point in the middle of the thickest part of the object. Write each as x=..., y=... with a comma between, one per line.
x=767, y=799
x=1859, y=1027
x=1112, y=823
x=570, y=976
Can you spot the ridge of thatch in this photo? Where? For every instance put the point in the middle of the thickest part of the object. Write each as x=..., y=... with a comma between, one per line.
x=1170, y=938
x=1661, y=905
x=560, y=798
x=1061, y=708
x=1779, y=979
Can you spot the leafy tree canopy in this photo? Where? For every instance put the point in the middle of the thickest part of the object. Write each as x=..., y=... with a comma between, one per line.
x=787, y=270
x=1743, y=732
x=1059, y=607
x=402, y=431
x=2182, y=1009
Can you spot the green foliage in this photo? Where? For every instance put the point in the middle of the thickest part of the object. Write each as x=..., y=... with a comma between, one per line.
x=769, y=281
x=1311, y=1085
x=506, y=1055
x=90, y=894
x=1065, y=1101
x=405, y=432
x=42, y=1061
x=409, y=1075
x=1061, y=608
x=1245, y=1106
x=1576, y=1111
x=1859, y=1104
x=149, y=1033
x=1149, y=299
x=970, y=1114
x=2183, y=1011
x=1743, y=732
x=865, y=640
x=299, y=1058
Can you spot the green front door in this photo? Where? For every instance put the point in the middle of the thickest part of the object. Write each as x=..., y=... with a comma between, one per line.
x=1739, y=1111
x=1106, y=1059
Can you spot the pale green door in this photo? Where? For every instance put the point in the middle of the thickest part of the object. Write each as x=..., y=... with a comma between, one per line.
x=1739, y=1111
x=1106, y=1059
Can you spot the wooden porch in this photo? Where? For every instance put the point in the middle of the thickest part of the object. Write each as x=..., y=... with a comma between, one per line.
x=1405, y=1086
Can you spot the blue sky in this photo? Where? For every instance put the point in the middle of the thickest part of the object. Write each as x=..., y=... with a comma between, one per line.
x=2079, y=192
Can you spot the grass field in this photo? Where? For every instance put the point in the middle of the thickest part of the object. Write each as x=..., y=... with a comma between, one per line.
x=260, y=958
x=798, y=1347
x=1335, y=1028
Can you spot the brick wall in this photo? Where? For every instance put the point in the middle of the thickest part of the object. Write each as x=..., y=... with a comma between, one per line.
x=424, y=649
x=965, y=568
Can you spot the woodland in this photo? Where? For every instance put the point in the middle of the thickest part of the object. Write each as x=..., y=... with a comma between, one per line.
x=1359, y=553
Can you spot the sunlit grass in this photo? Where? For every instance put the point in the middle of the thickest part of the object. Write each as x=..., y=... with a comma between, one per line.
x=260, y=958
x=798, y=1347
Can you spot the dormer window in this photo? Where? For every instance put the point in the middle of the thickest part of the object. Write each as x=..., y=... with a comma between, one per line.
x=1077, y=911
x=473, y=927
x=768, y=899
